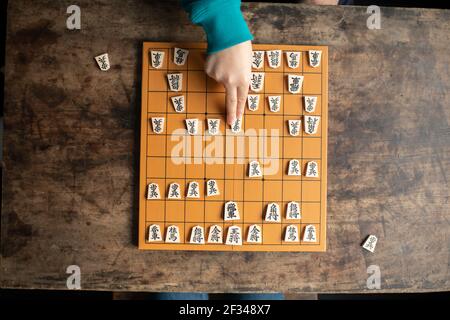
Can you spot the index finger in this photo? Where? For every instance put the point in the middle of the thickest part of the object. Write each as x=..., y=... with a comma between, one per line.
x=231, y=103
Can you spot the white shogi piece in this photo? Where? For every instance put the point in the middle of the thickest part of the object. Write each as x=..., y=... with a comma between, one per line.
x=236, y=127
x=180, y=56
x=291, y=234
x=310, y=103
x=293, y=59
x=310, y=234
x=213, y=126
x=254, y=234
x=294, y=168
x=178, y=103
x=295, y=127
x=173, y=234
x=273, y=212
x=312, y=170
x=154, y=233
x=253, y=102
x=212, y=188
x=193, y=190
x=192, y=126
x=231, y=211
x=215, y=234
x=158, y=125
x=103, y=62
x=254, y=169
x=257, y=81
x=234, y=236
x=370, y=243
x=153, y=191
x=295, y=83
x=197, y=235
x=274, y=103
x=293, y=211
x=311, y=124
x=157, y=58
x=174, y=191
x=257, y=59
x=314, y=58
x=274, y=58
x=175, y=81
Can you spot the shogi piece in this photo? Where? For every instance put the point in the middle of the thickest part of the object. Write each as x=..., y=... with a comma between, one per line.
x=257, y=81
x=254, y=234
x=180, y=56
x=258, y=59
x=273, y=212
x=153, y=191
x=310, y=103
x=157, y=58
x=234, y=236
x=314, y=58
x=174, y=191
x=175, y=81
x=254, y=169
x=158, y=125
x=178, y=103
x=370, y=243
x=274, y=58
x=173, y=234
x=103, y=62
x=231, y=211
x=197, y=235
x=215, y=234
x=295, y=83
x=310, y=234
x=293, y=211
x=253, y=102
x=311, y=124
x=293, y=59
x=291, y=234
x=154, y=233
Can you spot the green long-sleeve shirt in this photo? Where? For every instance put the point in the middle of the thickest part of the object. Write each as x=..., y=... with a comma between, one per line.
x=222, y=21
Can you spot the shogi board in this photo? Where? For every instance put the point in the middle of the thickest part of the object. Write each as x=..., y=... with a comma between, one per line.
x=205, y=98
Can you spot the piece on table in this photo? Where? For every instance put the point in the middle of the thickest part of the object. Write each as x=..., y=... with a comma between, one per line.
x=370, y=243
x=103, y=62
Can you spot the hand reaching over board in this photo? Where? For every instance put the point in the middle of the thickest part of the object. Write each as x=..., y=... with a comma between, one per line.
x=232, y=68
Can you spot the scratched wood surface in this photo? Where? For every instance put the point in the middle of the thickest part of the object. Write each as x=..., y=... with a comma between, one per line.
x=71, y=151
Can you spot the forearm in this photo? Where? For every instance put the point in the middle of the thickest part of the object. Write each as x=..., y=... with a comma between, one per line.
x=222, y=21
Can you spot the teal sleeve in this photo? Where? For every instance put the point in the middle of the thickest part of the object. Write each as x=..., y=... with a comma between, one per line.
x=222, y=21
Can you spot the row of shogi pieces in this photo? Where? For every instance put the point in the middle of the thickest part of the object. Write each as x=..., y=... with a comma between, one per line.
x=234, y=234
x=274, y=58
x=212, y=188
x=311, y=124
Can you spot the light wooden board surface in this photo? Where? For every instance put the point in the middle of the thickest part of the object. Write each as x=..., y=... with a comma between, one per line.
x=263, y=131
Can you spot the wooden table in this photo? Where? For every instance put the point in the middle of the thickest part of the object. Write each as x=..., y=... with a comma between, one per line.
x=71, y=151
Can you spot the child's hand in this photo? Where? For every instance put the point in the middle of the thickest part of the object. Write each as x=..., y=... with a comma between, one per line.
x=232, y=67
